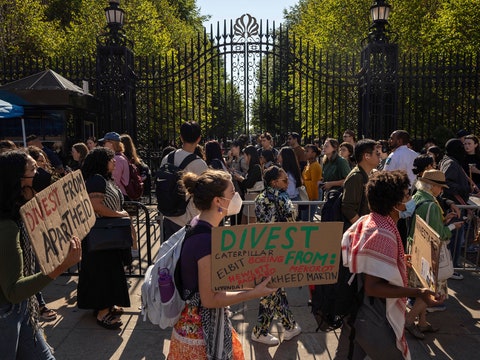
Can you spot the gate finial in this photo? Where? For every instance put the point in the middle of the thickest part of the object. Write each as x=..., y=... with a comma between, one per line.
x=246, y=27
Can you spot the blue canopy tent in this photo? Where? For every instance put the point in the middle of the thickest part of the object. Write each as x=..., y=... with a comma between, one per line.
x=8, y=111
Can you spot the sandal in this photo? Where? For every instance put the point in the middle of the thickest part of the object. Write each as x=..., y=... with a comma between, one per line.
x=110, y=321
x=48, y=314
x=116, y=310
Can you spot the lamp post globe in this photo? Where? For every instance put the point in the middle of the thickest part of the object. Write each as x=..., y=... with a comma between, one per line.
x=114, y=14
x=380, y=11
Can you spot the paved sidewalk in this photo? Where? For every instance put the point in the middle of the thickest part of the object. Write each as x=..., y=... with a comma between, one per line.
x=75, y=334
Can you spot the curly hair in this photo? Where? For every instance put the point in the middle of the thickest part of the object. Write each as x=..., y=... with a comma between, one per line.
x=272, y=173
x=12, y=168
x=385, y=189
x=314, y=148
x=96, y=162
x=206, y=186
x=420, y=163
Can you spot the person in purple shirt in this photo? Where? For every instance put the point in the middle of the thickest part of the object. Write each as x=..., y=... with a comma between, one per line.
x=204, y=329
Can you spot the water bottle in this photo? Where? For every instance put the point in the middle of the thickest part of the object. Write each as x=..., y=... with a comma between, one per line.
x=165, y=284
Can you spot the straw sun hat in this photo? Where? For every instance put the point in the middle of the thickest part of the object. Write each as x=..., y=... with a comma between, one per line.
x=434, y=177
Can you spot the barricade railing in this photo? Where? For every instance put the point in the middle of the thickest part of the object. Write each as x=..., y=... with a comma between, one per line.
x=148, y=225
x=471, y=249
x=309, y=206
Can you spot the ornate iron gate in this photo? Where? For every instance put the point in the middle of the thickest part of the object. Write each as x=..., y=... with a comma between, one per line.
x=247, y=77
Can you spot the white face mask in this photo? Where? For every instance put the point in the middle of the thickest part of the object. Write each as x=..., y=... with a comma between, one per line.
x=235, y=205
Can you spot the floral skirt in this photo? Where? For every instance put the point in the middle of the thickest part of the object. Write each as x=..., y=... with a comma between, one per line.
x=187, y=340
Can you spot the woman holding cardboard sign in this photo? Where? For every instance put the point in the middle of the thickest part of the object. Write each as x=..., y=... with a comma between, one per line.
x=204, y=329
x=274, y=205
x=21, y=335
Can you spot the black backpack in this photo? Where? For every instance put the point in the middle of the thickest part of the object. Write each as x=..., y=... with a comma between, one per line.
x=171, y=199
x=332, y=209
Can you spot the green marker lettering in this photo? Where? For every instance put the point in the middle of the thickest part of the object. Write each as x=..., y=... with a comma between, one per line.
x=289, y=237
x=256, y=241
x=231, y=235
x=308, y=230
x=272, y=236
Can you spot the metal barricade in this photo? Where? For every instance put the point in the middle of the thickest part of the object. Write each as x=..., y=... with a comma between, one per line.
x=471, y=250
x=317, y=204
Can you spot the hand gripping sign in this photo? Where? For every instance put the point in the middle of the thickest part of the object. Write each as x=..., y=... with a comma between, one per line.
x=294, y=254
x=55, y=214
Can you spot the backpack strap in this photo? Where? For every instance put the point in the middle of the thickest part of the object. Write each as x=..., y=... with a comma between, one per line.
x=189, y=231
x=187, y=161
x=171, y=158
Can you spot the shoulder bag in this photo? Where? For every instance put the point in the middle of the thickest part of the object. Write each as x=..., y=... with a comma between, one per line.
x=110, y=233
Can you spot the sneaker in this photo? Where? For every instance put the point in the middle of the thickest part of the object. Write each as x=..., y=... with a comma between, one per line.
x=436, y=308
x=456, y=276
x=289, y=334
x=268, y=339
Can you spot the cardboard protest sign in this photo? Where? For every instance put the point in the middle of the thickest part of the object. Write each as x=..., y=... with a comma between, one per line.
x=293, y=253
x=425, y=253
x=55, y=214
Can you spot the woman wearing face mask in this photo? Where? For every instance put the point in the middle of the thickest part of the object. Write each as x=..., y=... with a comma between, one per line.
x=21, y=335
x=274, y=205
x=204, y=330
x=429, y=187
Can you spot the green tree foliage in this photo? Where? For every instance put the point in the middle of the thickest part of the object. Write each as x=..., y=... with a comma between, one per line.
x=71, y=27
x=421, y=25
x=24, y=29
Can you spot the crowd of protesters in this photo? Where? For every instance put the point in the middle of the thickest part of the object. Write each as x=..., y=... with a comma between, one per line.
x=440, y=177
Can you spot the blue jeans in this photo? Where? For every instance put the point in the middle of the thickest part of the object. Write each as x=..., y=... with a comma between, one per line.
x=17, y=336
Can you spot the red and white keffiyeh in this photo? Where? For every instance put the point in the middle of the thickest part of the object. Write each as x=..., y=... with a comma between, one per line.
x=373, y=246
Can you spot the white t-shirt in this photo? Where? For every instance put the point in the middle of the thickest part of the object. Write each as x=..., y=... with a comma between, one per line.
x=402, y=159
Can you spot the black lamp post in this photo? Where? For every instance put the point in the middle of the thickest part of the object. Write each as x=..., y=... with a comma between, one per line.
x=115, y=18
x=115, y=75
x=377, y=80
x=379, y=12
